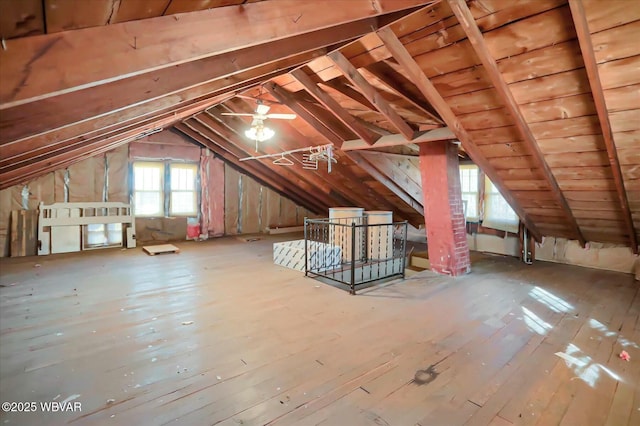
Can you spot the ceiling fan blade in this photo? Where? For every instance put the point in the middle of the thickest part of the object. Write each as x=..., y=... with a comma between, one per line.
x=237, y=114
x=282, y=116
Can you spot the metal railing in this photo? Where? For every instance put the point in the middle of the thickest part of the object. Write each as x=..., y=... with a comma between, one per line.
x=353, y=252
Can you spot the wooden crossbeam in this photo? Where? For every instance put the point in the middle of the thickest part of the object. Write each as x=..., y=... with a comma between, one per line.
x=248, y=169
x=84, y=149
x=417, y=76
x=469, y=26
x=288, y=99
x=32, y=65
x=440, y=134
x=354, y=76
x=591, y=66
x=338, y=85
x=397, y=83
x=333, y=106
x=389, y=183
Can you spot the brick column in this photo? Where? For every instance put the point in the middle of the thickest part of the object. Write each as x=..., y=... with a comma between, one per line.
x=443, y=211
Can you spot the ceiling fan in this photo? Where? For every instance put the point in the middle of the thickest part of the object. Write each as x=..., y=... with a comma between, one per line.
x=258, y=131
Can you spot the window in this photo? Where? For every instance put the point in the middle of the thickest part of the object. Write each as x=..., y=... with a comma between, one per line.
x=497, y=212
x=153, y=197
x=469, y=187
x=183, y=190
x=148, y=189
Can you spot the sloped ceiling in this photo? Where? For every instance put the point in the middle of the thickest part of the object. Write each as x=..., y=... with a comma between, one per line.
x=544, y=95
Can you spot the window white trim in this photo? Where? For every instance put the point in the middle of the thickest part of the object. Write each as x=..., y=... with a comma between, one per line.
x=148, y=184
x=469, y=175
x=183, y=195
x=498, y=214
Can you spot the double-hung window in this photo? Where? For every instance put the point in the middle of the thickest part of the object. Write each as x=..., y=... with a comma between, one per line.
x=165, y=189
x=469, y=187
x=497, y=212
x=148, y=189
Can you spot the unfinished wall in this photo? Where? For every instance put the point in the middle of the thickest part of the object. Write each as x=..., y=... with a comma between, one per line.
x=251, y=207
x=612, y=257
x=83, y=181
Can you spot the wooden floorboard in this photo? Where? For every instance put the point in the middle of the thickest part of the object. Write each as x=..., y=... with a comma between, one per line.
x=217, y=334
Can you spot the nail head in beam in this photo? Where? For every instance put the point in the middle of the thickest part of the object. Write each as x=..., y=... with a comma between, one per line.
x=473, y=33
x=354, y=76
x=417, y=76
x=591, y=66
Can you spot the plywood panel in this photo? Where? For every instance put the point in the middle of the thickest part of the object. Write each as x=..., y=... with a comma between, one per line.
x=615, y=215
x=497, y=135
x=554, y=86
x=480, y=100
x=531, y=33
x=523, y=162
x=559, y=109
x=520, y=174
x=624, y=121
x=619, y=73
x=584, y=143
x=578, y=173
x=579, y=126
x=629, y=156
x=603, y=15
x=526, y=185
x=486, y=119
x=591, y=196
x=587, y=185
x=460, y=82
x=553, y=59
x=623, y=98
x=505, y=149
x=617, y=43
x=627, y=139
x=578, y=159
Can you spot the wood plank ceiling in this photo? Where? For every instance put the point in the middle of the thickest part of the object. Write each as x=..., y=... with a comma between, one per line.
x=544, y=95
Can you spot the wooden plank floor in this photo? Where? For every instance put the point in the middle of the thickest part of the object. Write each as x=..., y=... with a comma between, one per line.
x=219, y=335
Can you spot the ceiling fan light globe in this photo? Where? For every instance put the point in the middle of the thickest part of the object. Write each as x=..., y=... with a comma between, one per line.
x=259, y=133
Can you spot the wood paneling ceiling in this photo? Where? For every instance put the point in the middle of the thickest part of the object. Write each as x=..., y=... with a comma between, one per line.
x=544, y=95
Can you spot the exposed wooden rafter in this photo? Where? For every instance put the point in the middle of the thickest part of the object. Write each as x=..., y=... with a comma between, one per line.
x=417, y=76
x=31, y=68
x=440, y=134
x=290, y=101
x=400, y=192
x=266, y=179
x=591, y=66
x=354, y=76
x=333, y=106
x=469, y=26
x=396, y=82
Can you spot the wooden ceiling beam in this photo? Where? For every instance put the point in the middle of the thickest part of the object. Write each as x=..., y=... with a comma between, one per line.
x=288, y=99
x=469, y=26
x=22, y=121
x=289, y=138
x=354, y=76
x=417, y=76
x=284, y=181
x=388, y=183
x=229, y=140
x=86, y=148
x=333, y=106
x=440, y=134
x=248, y=169
x=397, y=83
x=340, y=86
x=591, y=66
x=32, y=66
x=13, y=155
